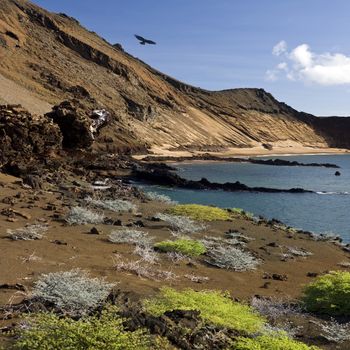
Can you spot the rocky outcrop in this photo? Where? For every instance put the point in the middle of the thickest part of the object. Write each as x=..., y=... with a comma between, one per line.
x=24, y=136
x=74, y=123
x=168, y=178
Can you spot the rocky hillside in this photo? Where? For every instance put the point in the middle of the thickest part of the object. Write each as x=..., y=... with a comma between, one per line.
x=47, y=58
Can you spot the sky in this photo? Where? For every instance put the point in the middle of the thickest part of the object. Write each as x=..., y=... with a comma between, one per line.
x=298, y=50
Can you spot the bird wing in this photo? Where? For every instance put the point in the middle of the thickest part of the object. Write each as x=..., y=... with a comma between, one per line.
x=150, y=42
x=138, y=37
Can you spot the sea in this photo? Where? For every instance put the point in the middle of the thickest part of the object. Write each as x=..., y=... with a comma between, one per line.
x=325, y=211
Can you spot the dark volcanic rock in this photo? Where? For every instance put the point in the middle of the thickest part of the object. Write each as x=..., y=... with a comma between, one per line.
x=210, y=157
x=74, y=123
x=24, y=136
x=283, y=162
x=167, y=178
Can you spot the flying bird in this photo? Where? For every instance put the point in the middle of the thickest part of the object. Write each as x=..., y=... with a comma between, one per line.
x=144, y=41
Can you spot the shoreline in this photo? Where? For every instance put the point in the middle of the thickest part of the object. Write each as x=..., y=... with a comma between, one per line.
x=175, y=156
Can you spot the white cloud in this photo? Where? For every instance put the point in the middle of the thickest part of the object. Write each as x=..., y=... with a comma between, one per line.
x=302, y=56
x=307, y=66
x=280, y=48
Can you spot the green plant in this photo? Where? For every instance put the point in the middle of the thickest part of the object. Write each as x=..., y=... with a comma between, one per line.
x=105, y=332
x=200, y=212
x=215, y=307
x=268, y=342
x=185, y=246
x=329, y=294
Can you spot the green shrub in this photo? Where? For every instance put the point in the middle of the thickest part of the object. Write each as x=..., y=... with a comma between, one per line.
x=329, y=294
x=268, y=342
x=215, y=308
x=188, y=247
x=200, y=212
x=48, y=331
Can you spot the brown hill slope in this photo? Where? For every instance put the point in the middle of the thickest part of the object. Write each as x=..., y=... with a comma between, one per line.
x=51, y=58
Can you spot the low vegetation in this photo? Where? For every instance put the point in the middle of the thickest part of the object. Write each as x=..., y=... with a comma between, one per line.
x=241, y=212
x=200, y=212
x=335, y=332
x=295, y=251
x=329, y=294
x=27, y=233
x=181, y=224
x=116, y=205
x=215, y=308
x=142, y=269
x=189, y=247
x=130, y=236
x=230, y=257
x=146, y=253
x=277, y=312
x=83, y=216
x=99, y=332
x=154, y=196
x=73, y=292
x=267, y=342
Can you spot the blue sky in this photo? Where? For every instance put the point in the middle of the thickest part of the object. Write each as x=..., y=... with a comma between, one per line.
x=222, y=44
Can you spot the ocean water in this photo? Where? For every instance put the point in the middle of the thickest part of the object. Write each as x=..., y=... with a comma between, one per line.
x=327, y=211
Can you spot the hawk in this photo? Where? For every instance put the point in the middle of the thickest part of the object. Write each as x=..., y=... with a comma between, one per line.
x=144, y=41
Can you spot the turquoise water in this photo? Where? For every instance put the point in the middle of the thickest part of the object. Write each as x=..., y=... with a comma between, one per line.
x=327, y=211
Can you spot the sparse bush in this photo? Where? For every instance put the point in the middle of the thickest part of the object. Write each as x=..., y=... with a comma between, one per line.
x=277, y=311
x=275, y=308
x=107, y=331
x=189, y=247
x=215, y=308
x=241, y=212
x=154, y=196
x=130, y=236
x=329, y=294
x=83, y=216
x=181, y=224
x=116, y=205
x=196, y=279
x=229, y=257
x=295, y=251
x=200, y=212
x=72, y=292
x=268, y=342
x=176, y=257
x=335, y=332
x=27, y=233
x=143, y=270
x=146, y=253
x=238, y=236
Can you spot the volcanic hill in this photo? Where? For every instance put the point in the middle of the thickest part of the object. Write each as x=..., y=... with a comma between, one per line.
x=47, y=58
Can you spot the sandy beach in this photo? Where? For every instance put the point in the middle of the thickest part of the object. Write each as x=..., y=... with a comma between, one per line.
x=285, y=149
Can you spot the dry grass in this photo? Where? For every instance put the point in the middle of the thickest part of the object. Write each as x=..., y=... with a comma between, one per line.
x=27, y=233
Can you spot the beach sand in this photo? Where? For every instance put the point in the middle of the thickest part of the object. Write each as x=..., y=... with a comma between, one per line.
x=284, y=148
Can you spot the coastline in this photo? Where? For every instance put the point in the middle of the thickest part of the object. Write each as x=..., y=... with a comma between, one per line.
x=257, y=152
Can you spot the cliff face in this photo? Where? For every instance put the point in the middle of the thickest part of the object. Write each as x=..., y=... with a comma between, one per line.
x=49, y=58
